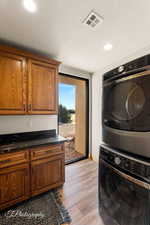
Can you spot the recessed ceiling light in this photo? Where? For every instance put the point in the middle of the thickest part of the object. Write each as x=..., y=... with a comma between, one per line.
x=30, y=5
x=108, y=47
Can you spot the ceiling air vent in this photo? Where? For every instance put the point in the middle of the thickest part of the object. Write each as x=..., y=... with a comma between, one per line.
x=93, y=19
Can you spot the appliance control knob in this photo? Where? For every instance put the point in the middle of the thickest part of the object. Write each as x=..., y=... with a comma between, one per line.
x=110, y=158
x=127, y=164
x=130, y=66
x=121, y=69
x=117, y=161
x=148, y=177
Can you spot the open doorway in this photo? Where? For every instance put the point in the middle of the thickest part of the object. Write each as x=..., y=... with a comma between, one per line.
x=73, y=116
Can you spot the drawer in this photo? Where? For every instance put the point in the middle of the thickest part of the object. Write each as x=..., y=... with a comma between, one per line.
x=11, y=159
x=46, y=151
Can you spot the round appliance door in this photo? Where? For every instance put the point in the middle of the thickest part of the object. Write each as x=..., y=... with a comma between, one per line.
x=130, y=103
x=123, y=200
x=126, y=103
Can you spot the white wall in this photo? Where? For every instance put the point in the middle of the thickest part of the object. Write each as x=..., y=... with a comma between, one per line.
x=97, y=100
x=96, y=113
x=17, y=124
x=74, y=71
x=23, y=123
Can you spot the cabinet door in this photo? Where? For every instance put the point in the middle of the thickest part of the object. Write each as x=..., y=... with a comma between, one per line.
x=12, y=84
x=47, y=174
x=14, y=185
x=42, y=98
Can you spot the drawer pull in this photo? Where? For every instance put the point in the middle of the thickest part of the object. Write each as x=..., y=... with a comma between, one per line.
x=5, y=161
x=49, y=151
x=46, y=152
x=53, y=150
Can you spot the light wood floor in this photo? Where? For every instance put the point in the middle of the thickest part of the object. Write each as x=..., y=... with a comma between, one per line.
x=80, y=193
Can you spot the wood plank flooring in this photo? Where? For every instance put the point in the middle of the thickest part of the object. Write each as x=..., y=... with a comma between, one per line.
x=80, y=193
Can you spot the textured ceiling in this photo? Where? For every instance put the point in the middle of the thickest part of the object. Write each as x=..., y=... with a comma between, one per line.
x=56, y=29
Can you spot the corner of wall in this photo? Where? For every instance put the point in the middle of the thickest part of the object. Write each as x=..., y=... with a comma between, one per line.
x=96, y=114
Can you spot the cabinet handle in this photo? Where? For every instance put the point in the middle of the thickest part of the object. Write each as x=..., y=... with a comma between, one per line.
x=49, y=151
x=32, y=171
x=5, y=161
x=26, y=172
x=24, y=107
x=29, y=107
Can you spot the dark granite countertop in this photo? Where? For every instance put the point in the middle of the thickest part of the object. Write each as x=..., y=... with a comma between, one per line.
x=23, y=143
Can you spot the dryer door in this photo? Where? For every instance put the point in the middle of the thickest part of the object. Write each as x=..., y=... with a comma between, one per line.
x=126, y=102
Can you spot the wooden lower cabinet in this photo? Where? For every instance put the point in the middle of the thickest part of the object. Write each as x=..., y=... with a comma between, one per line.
x=26, y=173
x=47, y=174
x=14, y=185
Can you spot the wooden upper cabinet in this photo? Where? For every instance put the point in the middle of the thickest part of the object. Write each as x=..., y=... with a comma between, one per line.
x=12, y=84
x=28, y=83
x=42, y=88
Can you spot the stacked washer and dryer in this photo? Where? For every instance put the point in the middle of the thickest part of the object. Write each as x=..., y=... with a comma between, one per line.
x=124, y=164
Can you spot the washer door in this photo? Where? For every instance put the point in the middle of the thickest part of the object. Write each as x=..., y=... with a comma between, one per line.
x=123, y=200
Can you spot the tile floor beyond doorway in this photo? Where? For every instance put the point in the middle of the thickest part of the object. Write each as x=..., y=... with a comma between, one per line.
x=70, y=153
